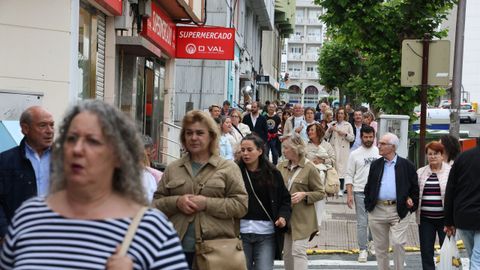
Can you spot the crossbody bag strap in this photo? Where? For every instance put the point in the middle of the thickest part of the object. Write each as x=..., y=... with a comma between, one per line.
x=131, y=231
x=241, y=134
x=255, y=194
x=290, y=180
x=196, y=220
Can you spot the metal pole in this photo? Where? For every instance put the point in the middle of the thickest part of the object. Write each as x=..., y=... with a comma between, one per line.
x=457, y=70
x=423, y=100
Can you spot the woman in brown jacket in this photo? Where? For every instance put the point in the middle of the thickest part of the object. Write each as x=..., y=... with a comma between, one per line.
x=202, y=186
x=302, y=179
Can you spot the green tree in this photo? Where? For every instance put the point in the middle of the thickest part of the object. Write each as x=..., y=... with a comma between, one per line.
x=375, y=29
x=337, y=65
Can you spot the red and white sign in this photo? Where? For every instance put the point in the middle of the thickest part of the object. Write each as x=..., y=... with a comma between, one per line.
x=112, y=6
x=160, y=30
x=216, y=43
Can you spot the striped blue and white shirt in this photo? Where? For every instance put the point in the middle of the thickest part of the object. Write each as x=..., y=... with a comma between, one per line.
x=39, y=238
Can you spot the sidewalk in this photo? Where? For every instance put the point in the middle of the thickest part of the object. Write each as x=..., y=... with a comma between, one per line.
x=339, y=230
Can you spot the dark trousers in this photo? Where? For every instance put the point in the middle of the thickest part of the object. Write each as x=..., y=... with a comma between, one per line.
x=190, y=256
x=342, y=183
x=428, y=230
x=272, y=146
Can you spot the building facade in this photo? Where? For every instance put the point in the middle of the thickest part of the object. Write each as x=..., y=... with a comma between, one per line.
x=301, y=55
x=120, y=51
x=260, y=27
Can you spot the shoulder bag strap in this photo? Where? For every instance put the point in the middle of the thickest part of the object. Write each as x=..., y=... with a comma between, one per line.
x=260, y=202
x=131, y=231
x=196, y=219
x=238, y=131
x=290, y=180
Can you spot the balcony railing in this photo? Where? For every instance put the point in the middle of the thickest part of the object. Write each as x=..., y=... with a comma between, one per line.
x=312, y=75
x=311, y=57
x=314, y=21
x=296, y=38
x=314, y=39
x=295, y=56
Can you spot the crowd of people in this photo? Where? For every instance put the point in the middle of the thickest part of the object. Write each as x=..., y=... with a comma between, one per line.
x=255, y=178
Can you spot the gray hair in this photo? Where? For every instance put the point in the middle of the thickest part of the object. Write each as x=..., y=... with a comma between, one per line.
x=393, y=139
x=296, y=143
x=125, y=140
x=147, y=141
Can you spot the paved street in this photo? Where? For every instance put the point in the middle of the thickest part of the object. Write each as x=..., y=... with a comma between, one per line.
x=336, y=246
x=474, y=129
x=349, y=262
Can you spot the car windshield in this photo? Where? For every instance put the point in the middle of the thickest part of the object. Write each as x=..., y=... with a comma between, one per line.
x=466, y=107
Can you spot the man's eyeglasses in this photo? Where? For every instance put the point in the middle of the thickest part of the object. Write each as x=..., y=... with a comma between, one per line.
x=383, y=144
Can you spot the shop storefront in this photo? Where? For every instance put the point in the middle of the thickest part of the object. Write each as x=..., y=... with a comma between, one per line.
x=145, y=57
x=93, y=46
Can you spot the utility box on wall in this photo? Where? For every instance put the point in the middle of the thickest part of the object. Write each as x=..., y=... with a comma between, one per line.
x=398, y=125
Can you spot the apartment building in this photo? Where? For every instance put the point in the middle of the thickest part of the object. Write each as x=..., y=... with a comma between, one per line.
x=300, y=55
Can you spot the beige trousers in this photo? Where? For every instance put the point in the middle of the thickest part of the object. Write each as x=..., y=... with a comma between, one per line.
x=295, y=253
x=384, y=220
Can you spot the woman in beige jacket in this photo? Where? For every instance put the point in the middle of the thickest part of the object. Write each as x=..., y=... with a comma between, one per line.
x=340, y=134
x=303, y=181
x=202, y=187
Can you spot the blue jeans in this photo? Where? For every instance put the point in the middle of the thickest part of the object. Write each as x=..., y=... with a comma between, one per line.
x=471, y=239
x=272, y=146
x=363, y=233
x=428, y=230
x=259, y=250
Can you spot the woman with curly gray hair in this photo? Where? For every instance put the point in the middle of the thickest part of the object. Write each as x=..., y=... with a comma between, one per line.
x=96, y=190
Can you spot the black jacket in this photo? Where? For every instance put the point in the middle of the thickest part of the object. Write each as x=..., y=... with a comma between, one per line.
x=462, y=196
x=406, y=182
x=280, y=206
x=260, y=128
x=17, y=183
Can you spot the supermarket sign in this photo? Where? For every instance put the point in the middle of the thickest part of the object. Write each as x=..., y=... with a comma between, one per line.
x=213, y=43
x=159, y=29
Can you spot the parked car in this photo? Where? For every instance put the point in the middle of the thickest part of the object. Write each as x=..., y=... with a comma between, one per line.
x=467, y=113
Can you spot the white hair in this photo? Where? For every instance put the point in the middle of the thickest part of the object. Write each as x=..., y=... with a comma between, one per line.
x=393, y=139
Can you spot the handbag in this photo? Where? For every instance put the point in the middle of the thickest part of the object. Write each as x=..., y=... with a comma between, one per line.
x=332, y=182
x=216, y=254
x=131, y=231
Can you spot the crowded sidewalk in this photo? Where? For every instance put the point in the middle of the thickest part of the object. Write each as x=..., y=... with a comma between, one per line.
x=339, y=234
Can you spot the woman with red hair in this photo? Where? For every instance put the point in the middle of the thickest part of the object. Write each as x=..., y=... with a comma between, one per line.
x=432, y=180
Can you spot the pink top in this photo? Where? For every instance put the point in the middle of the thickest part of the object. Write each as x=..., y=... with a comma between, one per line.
x=156, y=173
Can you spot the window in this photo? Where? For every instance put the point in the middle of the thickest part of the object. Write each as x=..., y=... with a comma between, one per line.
x=310, y=69
x=296, y=50
x=284, y=67
x=91, y=53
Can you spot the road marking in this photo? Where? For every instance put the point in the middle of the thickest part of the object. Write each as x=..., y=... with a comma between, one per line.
x=465, y=263
x=337, y=262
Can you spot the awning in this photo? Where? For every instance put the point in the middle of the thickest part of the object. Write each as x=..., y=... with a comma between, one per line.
x=139, y=46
